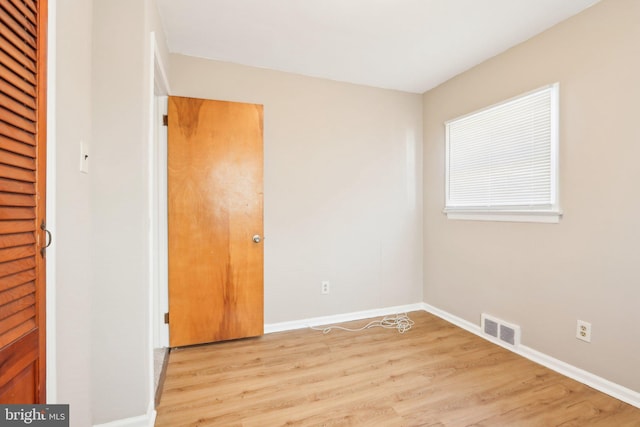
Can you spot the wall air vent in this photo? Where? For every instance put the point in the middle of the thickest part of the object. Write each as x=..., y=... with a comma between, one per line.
x=490, y=327
x=500, y=331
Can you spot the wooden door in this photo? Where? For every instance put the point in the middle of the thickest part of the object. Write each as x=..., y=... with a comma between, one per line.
x=22, y=200
x=215, y=167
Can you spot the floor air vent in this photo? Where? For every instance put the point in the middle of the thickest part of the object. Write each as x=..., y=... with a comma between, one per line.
x=501, y=331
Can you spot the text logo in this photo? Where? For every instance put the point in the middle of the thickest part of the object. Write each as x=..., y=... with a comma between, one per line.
x=34, y=415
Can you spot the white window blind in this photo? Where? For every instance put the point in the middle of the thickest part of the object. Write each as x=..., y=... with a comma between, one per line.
x=504, y=158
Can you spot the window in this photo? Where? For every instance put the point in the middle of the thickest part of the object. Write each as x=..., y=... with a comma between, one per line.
x=502, y=161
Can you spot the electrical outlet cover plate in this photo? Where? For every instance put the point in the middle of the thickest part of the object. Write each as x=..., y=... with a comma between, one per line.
x=325, y=287
x=583, y=331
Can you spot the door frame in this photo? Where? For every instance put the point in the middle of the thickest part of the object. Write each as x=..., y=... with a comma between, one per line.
x=158, y=333
x=159, y=261
x=50, y=206
x=158, y=265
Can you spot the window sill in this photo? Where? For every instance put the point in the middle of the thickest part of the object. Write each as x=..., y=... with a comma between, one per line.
x=549, y=217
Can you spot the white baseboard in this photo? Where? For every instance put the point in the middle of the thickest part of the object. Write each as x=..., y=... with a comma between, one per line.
x=147, y=420
x=608, y=387
x=612, y=389
x=339, y=318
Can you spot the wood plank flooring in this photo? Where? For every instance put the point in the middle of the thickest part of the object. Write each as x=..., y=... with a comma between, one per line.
x=436, y=374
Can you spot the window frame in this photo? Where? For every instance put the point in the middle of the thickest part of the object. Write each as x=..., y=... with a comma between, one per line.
x=550, y=213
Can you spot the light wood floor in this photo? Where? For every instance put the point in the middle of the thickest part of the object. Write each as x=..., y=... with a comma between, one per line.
x=434, y=375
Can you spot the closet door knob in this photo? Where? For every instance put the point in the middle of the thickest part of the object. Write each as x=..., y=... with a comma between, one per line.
x=257, y=238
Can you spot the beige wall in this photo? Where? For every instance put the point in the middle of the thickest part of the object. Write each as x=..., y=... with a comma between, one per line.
x=542, y=276
x=122, y=87
x=99, y=264
x=118, y=212
x=342, y=187
x=68, y=260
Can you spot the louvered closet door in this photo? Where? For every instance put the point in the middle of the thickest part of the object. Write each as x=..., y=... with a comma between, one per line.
x=22, y=201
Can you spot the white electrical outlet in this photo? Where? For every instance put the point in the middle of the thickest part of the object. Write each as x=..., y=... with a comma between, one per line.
x=583, y=331
x=325, y=287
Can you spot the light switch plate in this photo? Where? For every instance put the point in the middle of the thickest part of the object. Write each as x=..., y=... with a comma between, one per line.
x=84, y=157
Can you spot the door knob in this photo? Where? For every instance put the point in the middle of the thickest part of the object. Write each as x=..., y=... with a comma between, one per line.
x=257, y=238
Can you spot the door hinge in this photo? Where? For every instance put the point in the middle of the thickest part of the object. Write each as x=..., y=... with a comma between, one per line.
x=166, y=318
x=165, y=120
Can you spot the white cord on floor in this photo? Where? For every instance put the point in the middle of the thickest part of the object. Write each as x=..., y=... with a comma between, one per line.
x=401, y=322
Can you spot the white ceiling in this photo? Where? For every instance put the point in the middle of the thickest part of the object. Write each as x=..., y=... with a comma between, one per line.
x=408, y=45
